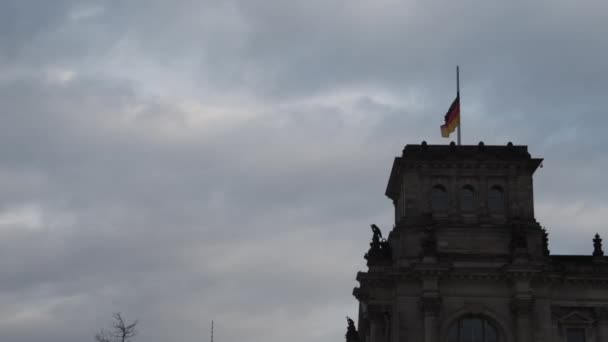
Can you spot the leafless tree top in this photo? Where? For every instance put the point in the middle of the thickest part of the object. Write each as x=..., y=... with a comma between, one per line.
x=121, y=331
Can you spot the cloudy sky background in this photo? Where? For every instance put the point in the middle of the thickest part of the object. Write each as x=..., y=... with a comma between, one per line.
x=183, y=161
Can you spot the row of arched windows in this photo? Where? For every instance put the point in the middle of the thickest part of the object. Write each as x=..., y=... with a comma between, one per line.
x=440, y=200
x=477, y=328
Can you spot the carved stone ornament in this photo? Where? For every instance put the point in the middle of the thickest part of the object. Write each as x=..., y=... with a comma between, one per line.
x=546, y=251
x=351, y=332
x=579, y=318
x=379, y=248
x=597, y=246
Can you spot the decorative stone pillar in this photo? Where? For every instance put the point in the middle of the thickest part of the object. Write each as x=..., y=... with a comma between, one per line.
x=519, y=244
x=394, y=324
x=398, y=212
x=429, y=247
x=482, y=210
x=430, y=304
x=602, y=323
x=387, y=327
x=375, y=328
x=522, y=309
x=430, y=307
x=598, y=252
x=379, y=326
x=542, y=314
x=522, y=304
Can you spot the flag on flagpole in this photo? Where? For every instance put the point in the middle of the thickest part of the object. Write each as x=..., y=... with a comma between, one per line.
x=452, y=118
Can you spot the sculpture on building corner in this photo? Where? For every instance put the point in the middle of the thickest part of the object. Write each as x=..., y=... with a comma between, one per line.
x=597, y=246
x=377, y=233
x=351, y=332
x=379, y=248
x=546, y=251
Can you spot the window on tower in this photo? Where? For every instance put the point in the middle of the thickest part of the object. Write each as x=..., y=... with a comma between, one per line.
x=467, y=198
x=496, y=199
x=439, y=198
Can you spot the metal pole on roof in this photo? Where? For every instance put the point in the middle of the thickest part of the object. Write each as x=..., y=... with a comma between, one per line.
x=458, y=96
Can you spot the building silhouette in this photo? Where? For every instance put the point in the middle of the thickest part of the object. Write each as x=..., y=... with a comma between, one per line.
x=466, y=260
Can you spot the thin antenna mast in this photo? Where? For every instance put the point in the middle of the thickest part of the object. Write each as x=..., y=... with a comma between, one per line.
x=459, y=103
x=211, y=331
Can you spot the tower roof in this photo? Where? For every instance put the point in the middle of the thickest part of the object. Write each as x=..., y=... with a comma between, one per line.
x=463, y=156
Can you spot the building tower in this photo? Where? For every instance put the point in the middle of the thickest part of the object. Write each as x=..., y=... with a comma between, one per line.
x=466, y=260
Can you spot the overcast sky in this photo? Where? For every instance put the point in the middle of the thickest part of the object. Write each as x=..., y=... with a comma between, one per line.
x=183, y=161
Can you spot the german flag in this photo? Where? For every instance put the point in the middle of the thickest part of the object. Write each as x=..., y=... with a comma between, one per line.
x=452, y=118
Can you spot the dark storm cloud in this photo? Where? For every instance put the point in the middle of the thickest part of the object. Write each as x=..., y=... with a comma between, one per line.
x=189, y=161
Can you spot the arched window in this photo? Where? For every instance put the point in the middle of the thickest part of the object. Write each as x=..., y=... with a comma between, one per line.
x=467, y=198
x=439, y=198
x=472, y=329
x=496, y=199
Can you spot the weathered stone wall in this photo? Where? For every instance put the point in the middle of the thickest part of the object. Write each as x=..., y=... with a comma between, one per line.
x=448, y=264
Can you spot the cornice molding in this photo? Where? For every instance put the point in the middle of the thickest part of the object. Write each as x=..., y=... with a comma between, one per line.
x=419, y=272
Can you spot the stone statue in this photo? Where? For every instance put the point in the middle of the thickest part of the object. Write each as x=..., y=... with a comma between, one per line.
x=597, y=246
x=379, y=248
x=546, y=250
x=351, y=331
x=377, y=232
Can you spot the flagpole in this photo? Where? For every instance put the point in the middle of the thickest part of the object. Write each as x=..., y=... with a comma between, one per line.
x=458, y=96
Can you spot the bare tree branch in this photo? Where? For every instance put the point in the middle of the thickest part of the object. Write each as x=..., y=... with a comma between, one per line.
x=121, y=330
x=102, y=336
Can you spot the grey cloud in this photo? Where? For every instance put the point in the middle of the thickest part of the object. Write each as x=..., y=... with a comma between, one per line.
x=135, y=206
x=140, y=203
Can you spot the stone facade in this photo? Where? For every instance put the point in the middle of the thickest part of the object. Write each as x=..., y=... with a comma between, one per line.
x=467, y=261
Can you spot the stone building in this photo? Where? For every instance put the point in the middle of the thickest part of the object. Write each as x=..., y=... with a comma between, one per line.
x=466, y=260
